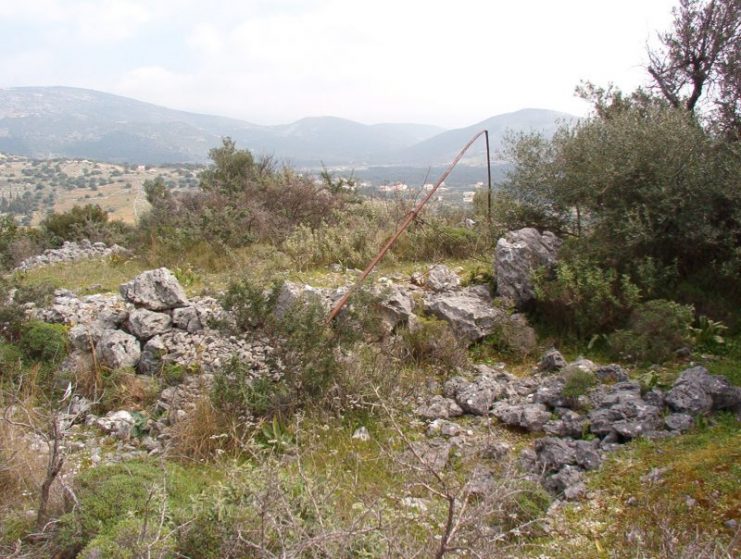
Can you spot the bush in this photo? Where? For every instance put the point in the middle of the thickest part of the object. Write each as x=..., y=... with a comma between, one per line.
x=656, y=329
x=110, y=496
x=584, y=299
x=44, y=342
x=75, y=224
x=578, y=383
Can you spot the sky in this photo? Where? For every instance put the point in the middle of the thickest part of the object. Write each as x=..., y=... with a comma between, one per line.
x=448, y=63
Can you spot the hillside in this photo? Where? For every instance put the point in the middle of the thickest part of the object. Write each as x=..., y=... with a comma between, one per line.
x=443, y=147
x=50, y=122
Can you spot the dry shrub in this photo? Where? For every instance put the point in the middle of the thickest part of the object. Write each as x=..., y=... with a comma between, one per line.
x=200, y=435
x=124, y=389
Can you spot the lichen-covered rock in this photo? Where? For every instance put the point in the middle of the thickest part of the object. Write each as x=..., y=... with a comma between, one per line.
x=697, y=392
x=144, y=323
x=554, y=453
x=117, y=349
x=622, y=413
x=156, y=290
x=551, y=361
x=439, y=407
x=441, y=278
x=70, y=251
x=397, y=307
x=518, y=254
x=531, y=417
x=679, y=422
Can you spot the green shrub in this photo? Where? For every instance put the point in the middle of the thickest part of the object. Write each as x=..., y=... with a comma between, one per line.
x=44, y=342
x=578, y=383
x=656, y=329
x=250, y=304
x=110, y=496
x=10, y=362
x=583, y=299
x=133, y=538
x=75, y=224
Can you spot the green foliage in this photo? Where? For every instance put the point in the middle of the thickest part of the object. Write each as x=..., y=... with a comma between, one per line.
x=43, y=342
x=583, y=299
x=110, y=496
x=708, y=334
x=74, y=224
x=639, y=179
x=249, y=303
x=656, y=329
x=132, y=538
x=578, y=383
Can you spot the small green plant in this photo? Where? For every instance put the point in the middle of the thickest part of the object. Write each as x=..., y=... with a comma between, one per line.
x=578, y=383
x=250, y=304
x=708, y=334
x=275, y=435
x=430, y=342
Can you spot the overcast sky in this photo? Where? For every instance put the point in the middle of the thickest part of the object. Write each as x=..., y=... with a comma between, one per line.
x=450, y=63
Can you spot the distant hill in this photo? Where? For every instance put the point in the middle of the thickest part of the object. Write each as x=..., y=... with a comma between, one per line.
x=47, y=122
x=444, y=146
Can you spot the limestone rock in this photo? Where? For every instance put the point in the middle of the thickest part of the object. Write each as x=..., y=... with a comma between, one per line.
x=441, y=278
x=117, y=349
x=144, y=323
x=518, y=254
x=531, y=417
x=156, y=290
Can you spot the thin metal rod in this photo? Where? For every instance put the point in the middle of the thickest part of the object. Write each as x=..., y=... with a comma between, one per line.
x=488, y=173
x=404, y=224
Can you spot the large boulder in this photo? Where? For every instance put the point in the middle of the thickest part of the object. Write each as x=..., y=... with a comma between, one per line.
x=696, y=392
x=518, y=254
x=117, y=349
x=156, y=290
x=473, y=316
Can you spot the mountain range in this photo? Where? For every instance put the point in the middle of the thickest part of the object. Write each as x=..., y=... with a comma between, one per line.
x=48, y=122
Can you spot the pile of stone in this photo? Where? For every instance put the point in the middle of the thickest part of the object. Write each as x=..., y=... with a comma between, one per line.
x=152, y=323
x=579, y=428
x=70, y=251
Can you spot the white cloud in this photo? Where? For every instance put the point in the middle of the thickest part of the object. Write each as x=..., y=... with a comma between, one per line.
x=431, y=61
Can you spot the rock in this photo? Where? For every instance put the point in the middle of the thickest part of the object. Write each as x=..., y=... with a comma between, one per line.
x=679, y=422
x=696, y=392
x=496, y=451
x=610, y=374
x=118, y=424
x=439, y=407
x=397, y=307
x=150, y=361
x=550, y=393
x=117, y=349
x=554, y=453
x=291, y=293
x=570, y=424
x=440, y=278
x=144, y=323
x=361, y=434
x=518, y=254
x=469, y=312
x=85, y=337
x=531, y=417
x=443, y=427
x=433, y=454
x=622, y=413
x=156, y=290
x=70, y=251
x=568, y=482
x=480, y=483
x=551, y=361
x=186, y=318
x=581, y=365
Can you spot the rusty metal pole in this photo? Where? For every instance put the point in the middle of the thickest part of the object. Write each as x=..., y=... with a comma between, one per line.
x=404, y=224
x=488, y=174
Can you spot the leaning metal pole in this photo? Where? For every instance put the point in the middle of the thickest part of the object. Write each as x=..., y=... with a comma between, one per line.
x=411, y=216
